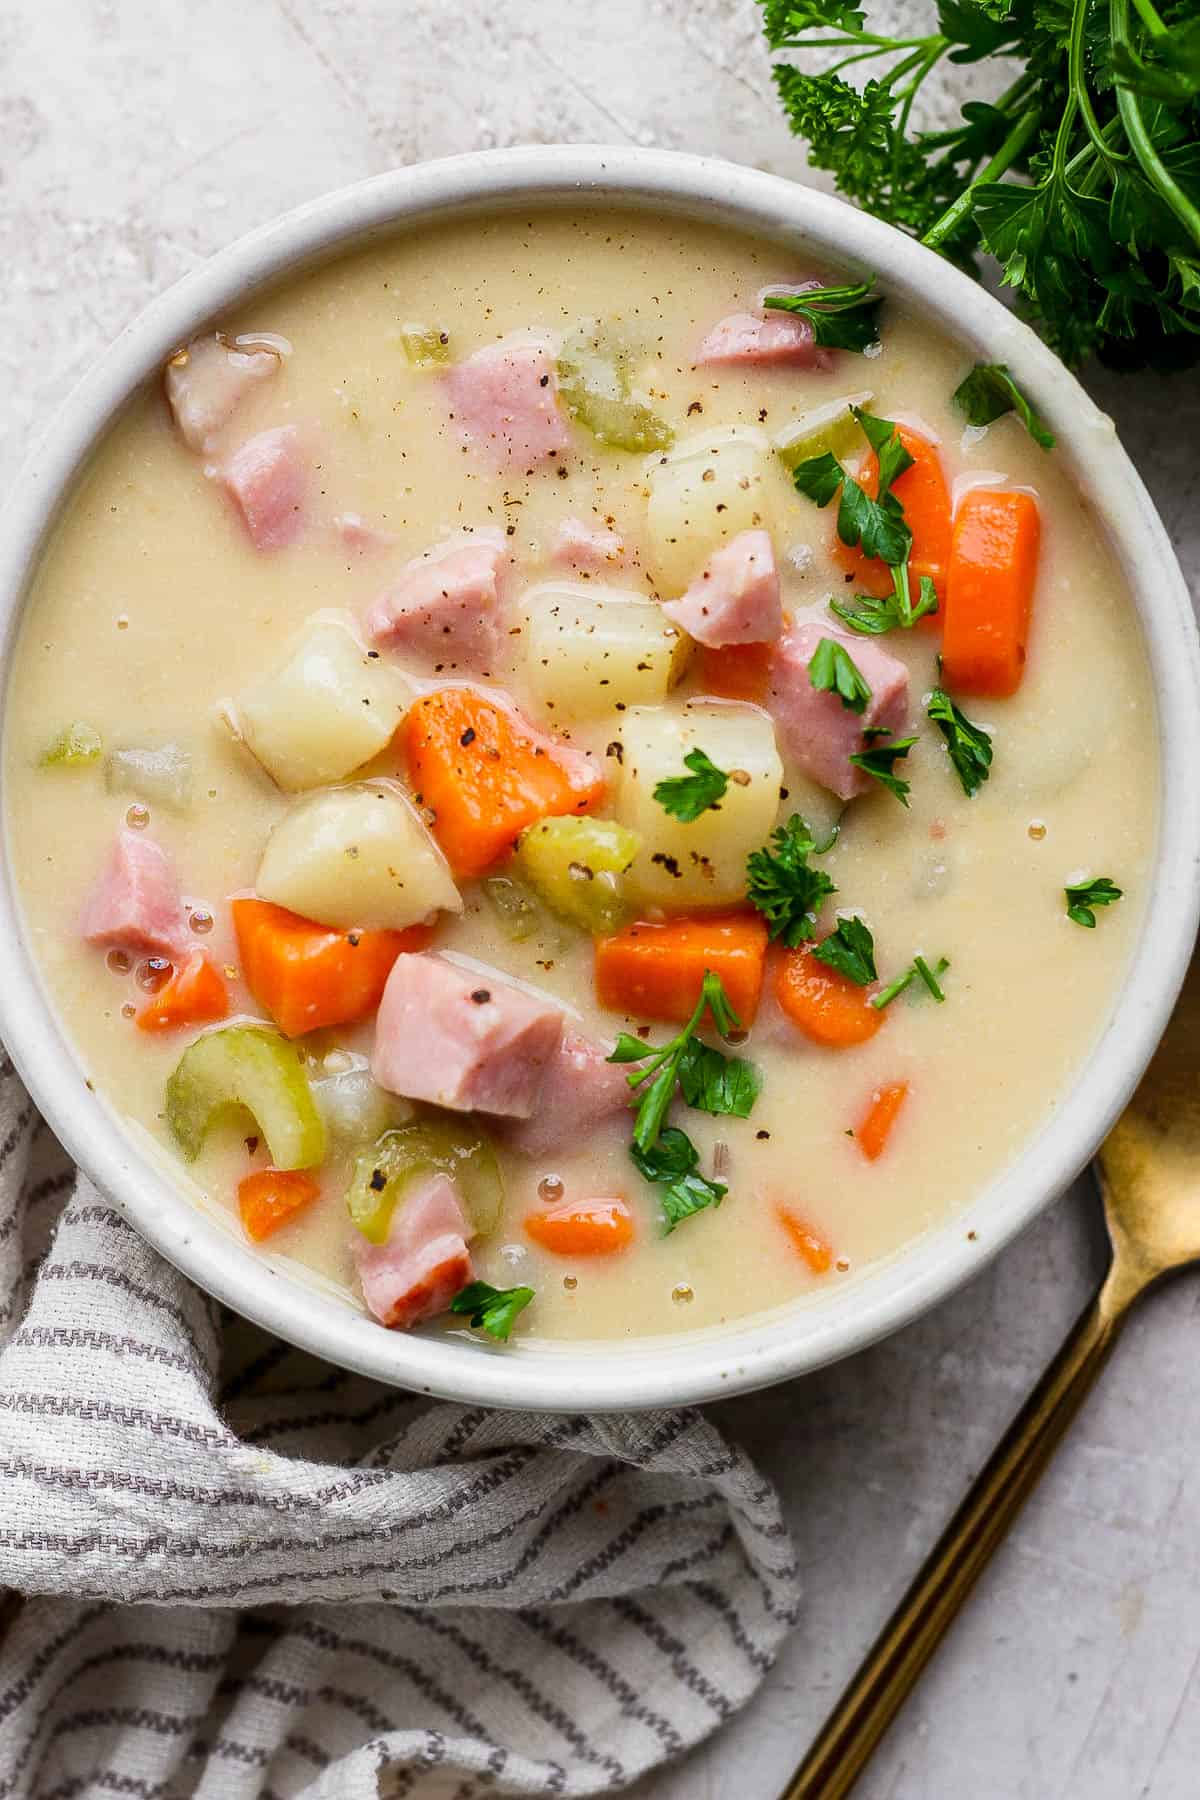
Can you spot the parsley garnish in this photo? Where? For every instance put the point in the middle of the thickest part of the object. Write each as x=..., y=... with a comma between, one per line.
x=493, y=1309
x=879, y=761
x=1085, y=895
x=673, y=1164
x=781, y=885
x=969, y=745
x=918, y=969
x=685, y=797
x=874, y=616
x=842, y=318
x=877, y=524
x=832, y=669
x=720, y=1084
x=989, y=392
x=850, y=950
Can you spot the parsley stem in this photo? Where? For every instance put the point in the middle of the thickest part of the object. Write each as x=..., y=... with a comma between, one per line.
x=1153, y=168
x=1016, y=141
x=1150, y=19
x=1078, y=80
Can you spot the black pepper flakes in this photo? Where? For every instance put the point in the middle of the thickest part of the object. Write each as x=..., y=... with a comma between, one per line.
x=481, y=996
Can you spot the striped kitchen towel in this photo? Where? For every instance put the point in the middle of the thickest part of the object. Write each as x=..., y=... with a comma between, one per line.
x=247, y=1573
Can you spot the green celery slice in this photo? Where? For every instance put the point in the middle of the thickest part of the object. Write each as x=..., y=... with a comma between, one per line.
x=514, y=906
x=425, y=345
x=829, y=427
x=252, y=1067
x=75, y=746
x=578, y=867
x=383, y=1174
x=595, y=380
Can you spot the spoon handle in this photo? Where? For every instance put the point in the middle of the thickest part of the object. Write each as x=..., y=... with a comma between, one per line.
x=950, y=1571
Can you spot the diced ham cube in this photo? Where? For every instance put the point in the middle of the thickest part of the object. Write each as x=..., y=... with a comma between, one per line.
x=778, y=338
x=580, y=1090
x=267, y=479
x=444, y=604
x=425, y=1261
x=462, y=1038
x=816, y=730
x=206, y=384
x=135, y=904
x=584, y=546
x=735, y=597
x=357, y=534
x=505, y=397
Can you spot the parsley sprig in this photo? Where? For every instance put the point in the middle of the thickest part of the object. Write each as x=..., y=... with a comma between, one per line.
x=879, y=761
x=872, y=615
x=1085, y=896
x=673, y=1165
x=989, y=391
x=832, y=670
x=970, y=746
x=779, y=882
x=850, y=950
x=492, y=1309
x=842, y=318
x=685, y=797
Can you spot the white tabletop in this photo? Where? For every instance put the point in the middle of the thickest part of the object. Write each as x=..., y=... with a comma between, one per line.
x=139, y=137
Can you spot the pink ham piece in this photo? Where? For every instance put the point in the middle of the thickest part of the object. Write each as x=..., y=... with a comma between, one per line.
x=206, y=384
x=816, y=730
x=505, y=398
x=357, y=534
x=735, y=597
x=768, y=338
x=267, y=479
x=583, y=546
x=425, y=1261
x=462, y=1038
x=135, y=904
x=444, y=604
x=580, y=1090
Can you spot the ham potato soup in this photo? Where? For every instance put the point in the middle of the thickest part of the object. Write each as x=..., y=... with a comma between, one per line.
x=580, y=777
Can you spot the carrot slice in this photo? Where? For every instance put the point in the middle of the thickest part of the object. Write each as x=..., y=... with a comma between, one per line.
x=654, y=969
x=193, y=995
x=923, y=493
x=270, y=1197
x=816, y=1250
x=736, y=672
x=875, y=1128
x=309, y=975
x=826, y=1005
x=989, y=591
x=486, y=775
x=594, y=1228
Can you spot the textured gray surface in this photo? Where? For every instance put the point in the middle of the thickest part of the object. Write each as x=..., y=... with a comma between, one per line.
x=138, y=138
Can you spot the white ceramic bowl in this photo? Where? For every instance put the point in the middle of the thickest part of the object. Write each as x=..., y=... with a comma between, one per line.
x=752, y=1352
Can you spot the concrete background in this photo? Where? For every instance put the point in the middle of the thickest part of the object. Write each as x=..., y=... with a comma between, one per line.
x=137, y=136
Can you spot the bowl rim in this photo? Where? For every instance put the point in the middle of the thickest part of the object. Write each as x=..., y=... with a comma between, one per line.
x=790, y=1340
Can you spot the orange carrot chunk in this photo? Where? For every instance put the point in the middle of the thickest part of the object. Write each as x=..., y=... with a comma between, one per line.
x=193, y=995
x=593, y=1228
x=486, y=775
x=826, y=1005
x=875, y=1127
x=989, y=591
x=308, y=975
x=735, y=672
x=655, y=969
x=923, y=493
x=815, y=1249
x=270, y=1197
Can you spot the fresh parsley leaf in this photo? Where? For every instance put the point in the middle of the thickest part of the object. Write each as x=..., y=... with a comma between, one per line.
x=832, y=669
x=876, y=522
x=873, y=616
x=781, y=885
x=883, y=435
x=850, y=950
x=1086, y=895
x=879, y=761
x=842, y=318
x=818, y=478
x=692, y=1193
x=661, y=1070
x=969, y=745
x=493, y=1309
x=673, y=1164
x=714, y=997
x=917, y=970
x=672, y=1156
x=685, y=797
x=718, y=1084
x=989, y=392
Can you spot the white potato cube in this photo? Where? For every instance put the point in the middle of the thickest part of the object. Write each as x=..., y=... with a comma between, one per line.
x=702, y=863
x=588, y=648
x=702, y=493
x=328, y=710
x=356, y=855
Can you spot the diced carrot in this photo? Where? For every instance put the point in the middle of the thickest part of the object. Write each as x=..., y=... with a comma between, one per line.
x=989, y=591
x=270, y=1197
x=486, y=774
x=736, y=672
x=654, y=969
x=193, y=995
x=815, y=1249
x=593, y=1228
x=875, y=1128
x=308, y=975
x=923, y=493
x=826, y=1005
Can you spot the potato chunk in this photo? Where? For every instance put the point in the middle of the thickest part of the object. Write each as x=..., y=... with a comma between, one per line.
x=589, y=648
x=702, y=863
x=328, y=709
x=704, y=492
x=356, y=855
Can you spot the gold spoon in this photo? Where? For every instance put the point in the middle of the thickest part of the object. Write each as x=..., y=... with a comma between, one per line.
x=1149, y=1176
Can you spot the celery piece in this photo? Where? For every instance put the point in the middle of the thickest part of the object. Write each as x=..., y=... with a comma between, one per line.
x=829, y=427
x=514, y=906
x=383, y=1174
x=254, y=1068
x=75, y=746
x=595, y=380
x=424, y=345
x=161, y=777
x=578, y=867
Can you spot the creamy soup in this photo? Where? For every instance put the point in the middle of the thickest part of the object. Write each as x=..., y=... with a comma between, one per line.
x=360, y=674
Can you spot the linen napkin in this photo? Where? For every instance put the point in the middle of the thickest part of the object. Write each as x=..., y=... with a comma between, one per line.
x=248, y=1573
